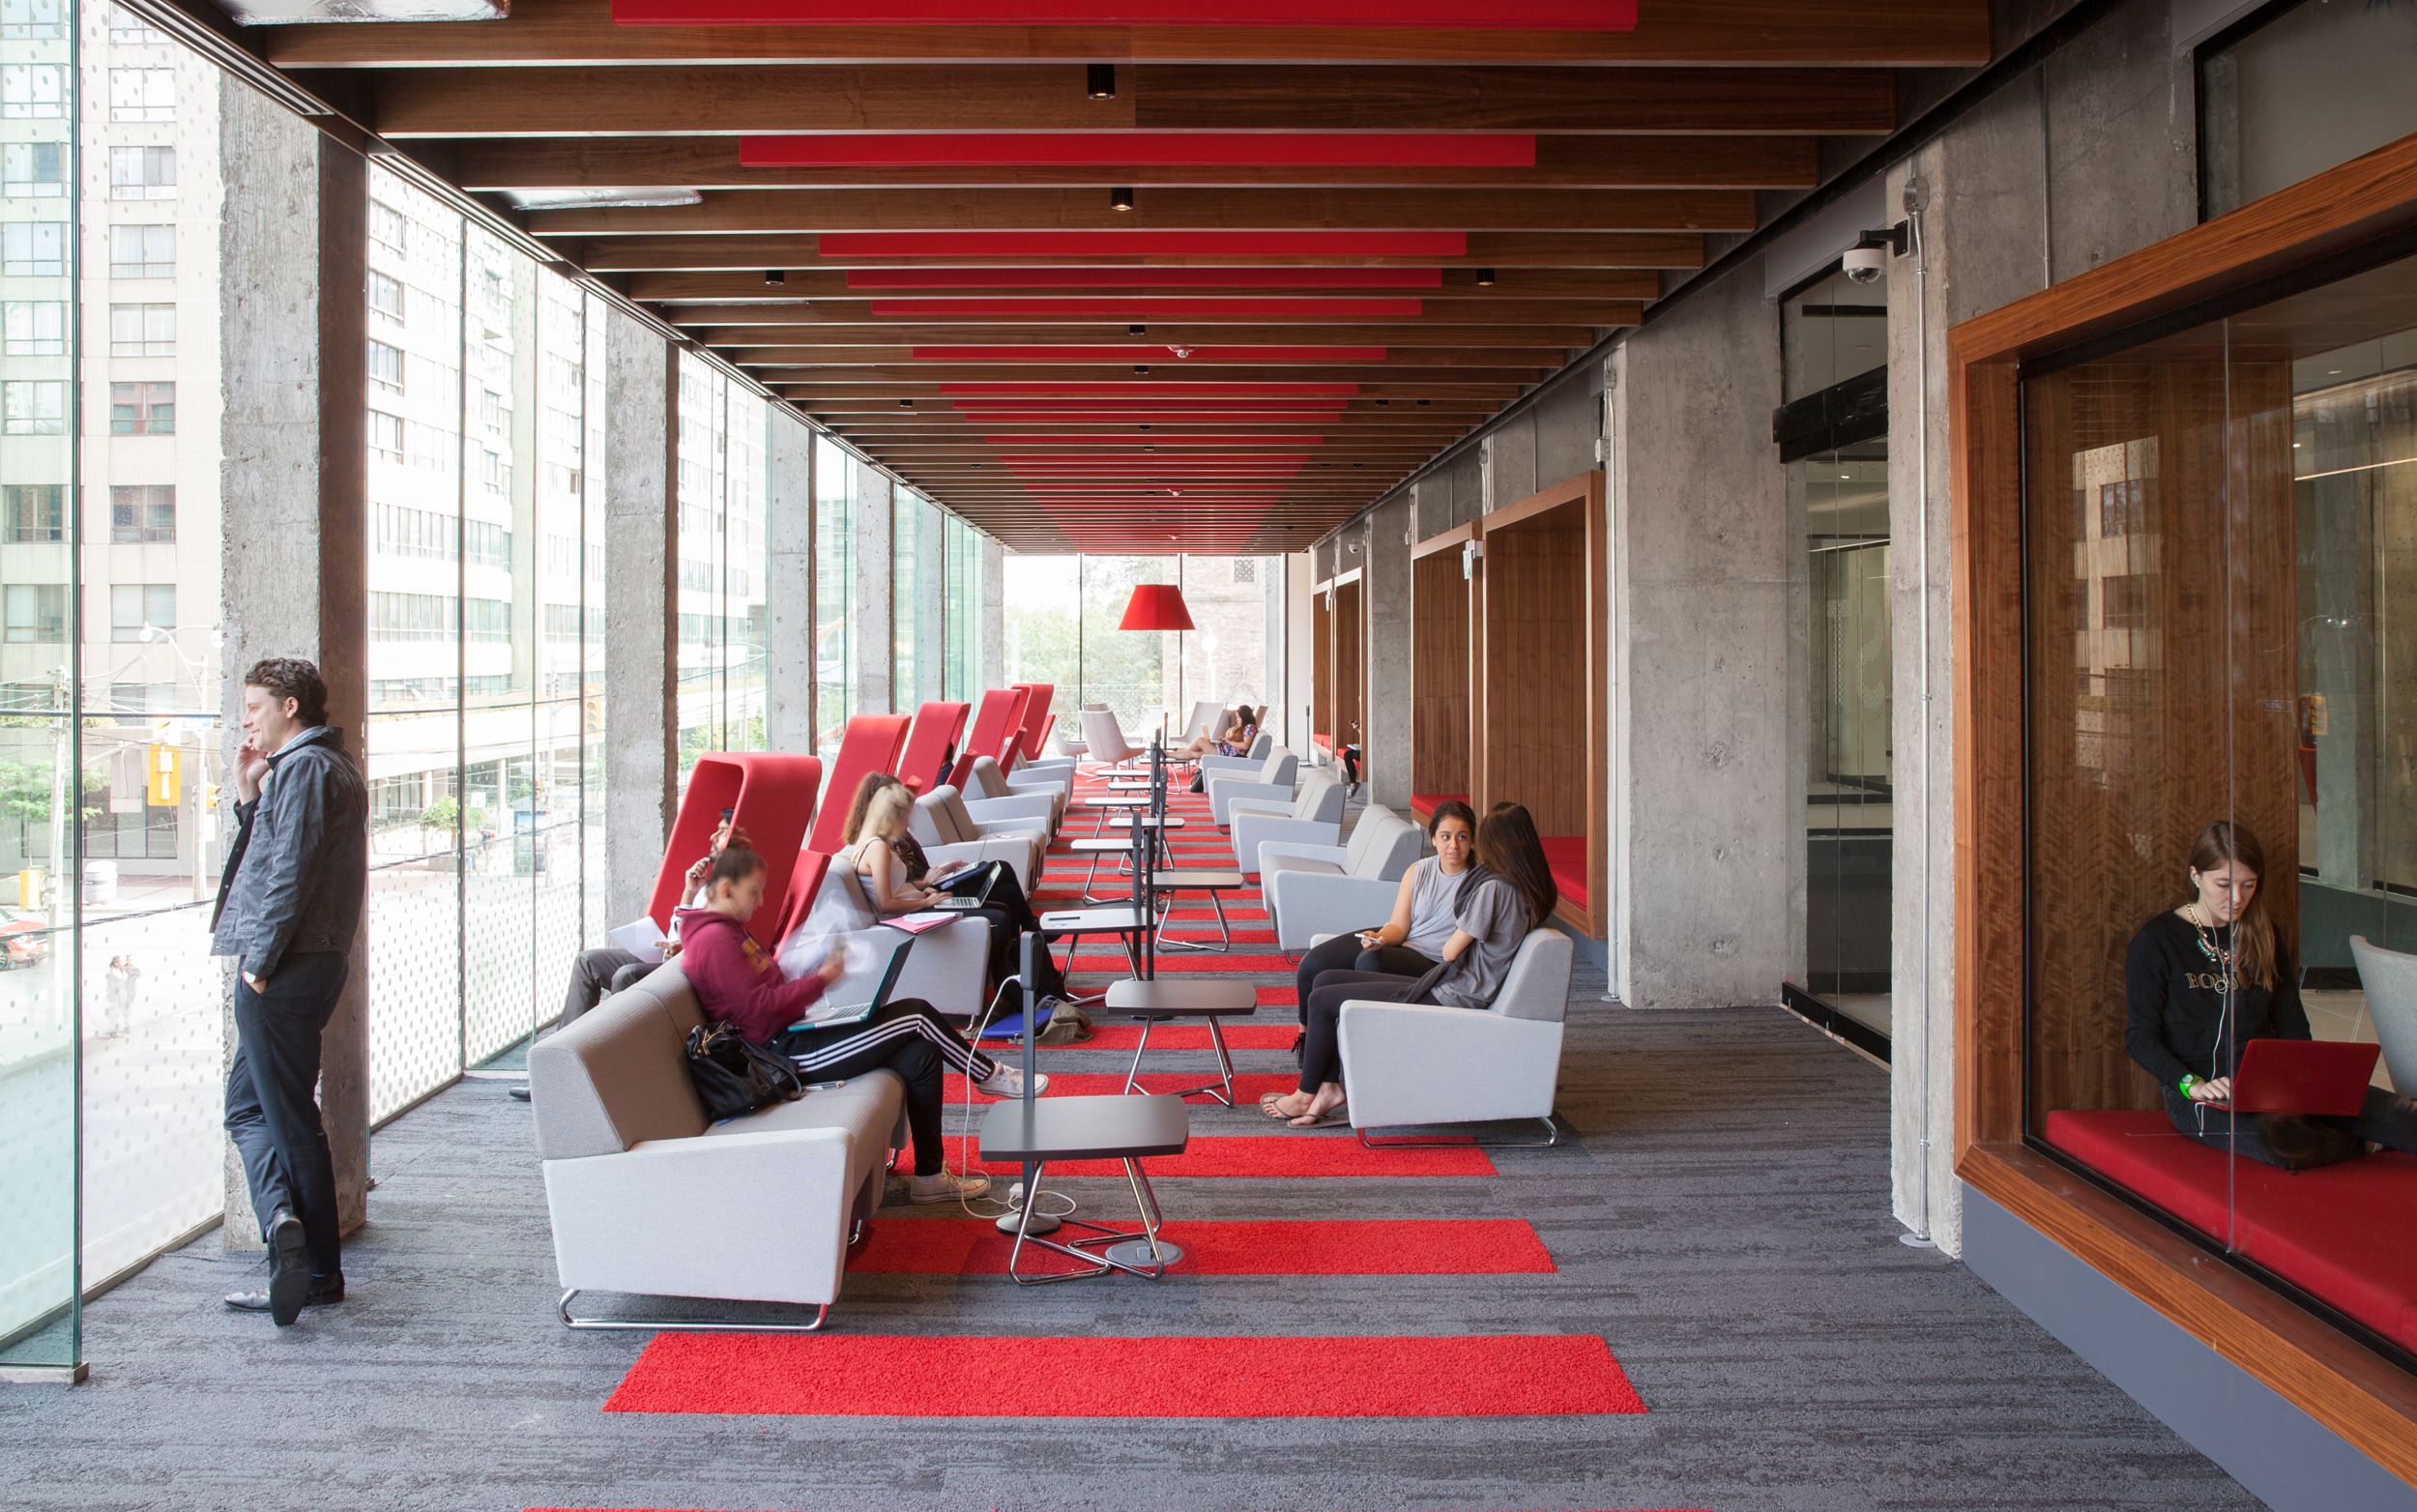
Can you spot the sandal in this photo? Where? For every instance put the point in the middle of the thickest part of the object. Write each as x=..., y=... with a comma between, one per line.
x=1268, y=1105
x=1340, y=1113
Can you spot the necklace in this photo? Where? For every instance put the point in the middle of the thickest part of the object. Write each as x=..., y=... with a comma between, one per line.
x=2222, y=956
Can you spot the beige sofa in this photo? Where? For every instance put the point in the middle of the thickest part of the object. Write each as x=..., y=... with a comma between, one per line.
x=646, y=1198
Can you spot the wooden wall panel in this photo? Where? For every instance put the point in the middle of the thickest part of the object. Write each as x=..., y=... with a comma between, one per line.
x=1320, y=669
x=1440, y=675
x=1536, y=611
x=1349, y=665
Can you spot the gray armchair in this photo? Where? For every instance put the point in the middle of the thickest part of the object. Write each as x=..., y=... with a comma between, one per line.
x=2390, y=978
x=1329, y=890
x=1312, y=816
x=941, y=822
x=1407, y=1064
x=1272, y=782
x=1014, y=794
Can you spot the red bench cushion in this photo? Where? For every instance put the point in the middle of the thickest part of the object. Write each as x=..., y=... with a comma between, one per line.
x=1566, y=856
x=2339, y=1232
x=1424, y=804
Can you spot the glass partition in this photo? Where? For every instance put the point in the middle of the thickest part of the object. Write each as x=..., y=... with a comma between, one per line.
x=2221, y=581
x=834, y=593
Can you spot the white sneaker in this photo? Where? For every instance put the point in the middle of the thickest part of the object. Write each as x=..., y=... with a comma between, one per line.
x=1005, y=1080
x=946, y=1188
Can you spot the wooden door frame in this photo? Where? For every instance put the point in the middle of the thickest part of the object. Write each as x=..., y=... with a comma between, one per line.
x=1473, y=662
x=2354, y=1392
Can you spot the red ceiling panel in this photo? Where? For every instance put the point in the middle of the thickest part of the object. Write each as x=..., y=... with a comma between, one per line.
x=1555, y=15
x=1143, y=244
x=1137, y=439
x=1145, y=277
x=1168, y=149
x=1146, y=308
x=1148, y=354
x=1149, y=392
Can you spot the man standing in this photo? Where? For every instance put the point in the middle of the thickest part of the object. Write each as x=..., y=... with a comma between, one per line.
x=289, y=906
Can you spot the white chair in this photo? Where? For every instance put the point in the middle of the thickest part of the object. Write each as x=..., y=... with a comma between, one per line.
x=1416, y=1065
x=1106, y=740
x=1331, y=889
x=1018, y=793
x=2390, y=979
x=1270, y=784
x=937, y=826
x=1261, y=747
x=1207, y=719
x=946, y=968
x=1313, y=816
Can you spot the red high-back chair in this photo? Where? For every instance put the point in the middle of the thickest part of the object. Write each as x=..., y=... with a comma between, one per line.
x=1033, y=728
x=995, y=720
x=805, y=880
x=770, y=795
x=872, y=743
x=936, y=727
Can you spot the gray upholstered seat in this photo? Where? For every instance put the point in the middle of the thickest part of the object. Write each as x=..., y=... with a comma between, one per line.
x=1315, y=889
x=2390, y=978
x=1409, y=1064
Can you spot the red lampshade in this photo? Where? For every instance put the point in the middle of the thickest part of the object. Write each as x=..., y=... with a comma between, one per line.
x=1156, y=606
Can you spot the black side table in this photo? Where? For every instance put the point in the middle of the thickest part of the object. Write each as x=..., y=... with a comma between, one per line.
x=1035, y=1131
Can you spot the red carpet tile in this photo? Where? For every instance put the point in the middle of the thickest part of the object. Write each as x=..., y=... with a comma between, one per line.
x=1188, y=1036
x=843, y=1375
x=1208, y=930
x=1362, y=1247
x=1299, y=1152
x=1192, y=964
x=1088, y=1084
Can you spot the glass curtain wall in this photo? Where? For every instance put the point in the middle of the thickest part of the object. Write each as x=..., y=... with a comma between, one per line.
x=722, y=562
x=1061, y=621
x=487, y=578
x=2221, y=583
x=961, y=610
x=1833, y=436
x=834, y=593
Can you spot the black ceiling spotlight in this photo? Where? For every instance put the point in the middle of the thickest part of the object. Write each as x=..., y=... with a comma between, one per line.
x=1142, y=368
x=906, y=404
x=1099, y=82
x=1120, y=198
x=1382, y=403
x=775, y=278
x=1422, y=404
x=1485, y=277
x=1145, y=425
x=1137, y=331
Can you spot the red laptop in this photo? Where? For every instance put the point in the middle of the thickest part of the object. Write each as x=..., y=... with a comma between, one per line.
x=2324, y=1077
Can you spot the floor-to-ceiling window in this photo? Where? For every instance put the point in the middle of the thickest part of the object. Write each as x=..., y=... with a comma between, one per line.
x=1833, y=441
x=722, y=551
x=834, y=592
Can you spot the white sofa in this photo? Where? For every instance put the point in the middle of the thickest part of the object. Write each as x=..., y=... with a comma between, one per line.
x=640, y=1188
x=1329, y=890
x=1415, y=1065
x=1018, y=793
x=1312, y=816
x=950, y=963
x=944, y=825
x=1272, y=781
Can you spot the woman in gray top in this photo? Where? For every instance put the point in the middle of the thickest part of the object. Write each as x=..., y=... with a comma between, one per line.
x=1507, y=893
x=1411, y=941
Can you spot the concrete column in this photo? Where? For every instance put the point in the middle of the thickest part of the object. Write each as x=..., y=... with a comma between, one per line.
x=294, y=487
x=991, y=623
x=641, y=605
x=874, y=639
x=789, y=583
x=1703, y=879
x=1385, y=717
x=1567, y=437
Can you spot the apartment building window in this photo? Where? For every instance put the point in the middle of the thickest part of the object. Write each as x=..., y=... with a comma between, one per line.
x=135, y=606
x=34, y=249
x=142, y=513
x=33, y=407
x=34, y=327
x=487, y=544
x=142, y=331
x=142, y=173
x=386, y=435
x=35, y=514
x=386, y=295
x=2124, y=602
x=32, y=91
x=431, y=447
x=142, y=93
x=32, y=20
x=490, y=410
x=496, y=472
x=36, y=613
x=386, y=365
x=388, y=227
x=2123, y=507
x=33, y=170
x=142, y=251
x=142, y=409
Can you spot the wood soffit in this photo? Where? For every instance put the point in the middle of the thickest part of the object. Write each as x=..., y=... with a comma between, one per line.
x=1536, y=185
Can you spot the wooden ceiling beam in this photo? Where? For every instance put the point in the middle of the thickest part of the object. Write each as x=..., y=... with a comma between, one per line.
x=926, y=390
x=903, y=359
x=1412, y=382
x=792, y=211
x=1402, y=337
x=820, y=313
x=1497, y=250
x=712, y=163
x=1458, y=290
x=750, y=100
x=1875, y=34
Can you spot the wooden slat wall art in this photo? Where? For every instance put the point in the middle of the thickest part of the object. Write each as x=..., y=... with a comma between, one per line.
x=1320, y=667
x=1544, y=630
x=1535, y=184
x=1349, y=626
x=2123, y=786
x=1439, y=673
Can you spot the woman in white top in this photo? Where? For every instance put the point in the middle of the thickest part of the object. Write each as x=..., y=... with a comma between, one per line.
x=1410, y=943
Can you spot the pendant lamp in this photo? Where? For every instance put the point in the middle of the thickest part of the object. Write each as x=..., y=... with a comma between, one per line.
x=1156, y=606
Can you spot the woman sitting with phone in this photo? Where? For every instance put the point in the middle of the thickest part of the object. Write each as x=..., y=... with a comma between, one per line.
x=1498, y=901
x=1410, y=943
x=899, y=879
x=2201, y=981
x=736, y=979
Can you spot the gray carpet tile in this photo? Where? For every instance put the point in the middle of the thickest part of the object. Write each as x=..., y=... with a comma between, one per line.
x=1720, y=1217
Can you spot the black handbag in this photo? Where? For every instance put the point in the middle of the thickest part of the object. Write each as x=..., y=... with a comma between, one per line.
x=734, y=1076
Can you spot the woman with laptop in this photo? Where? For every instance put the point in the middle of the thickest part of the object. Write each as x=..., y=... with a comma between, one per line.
x=2201, y=982
x=736, y=979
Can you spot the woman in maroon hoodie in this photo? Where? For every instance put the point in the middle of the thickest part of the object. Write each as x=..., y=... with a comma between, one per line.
x=736, y=979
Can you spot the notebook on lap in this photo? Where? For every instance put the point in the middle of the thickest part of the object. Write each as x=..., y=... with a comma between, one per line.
x=2328, y=1078
x=830, y=1013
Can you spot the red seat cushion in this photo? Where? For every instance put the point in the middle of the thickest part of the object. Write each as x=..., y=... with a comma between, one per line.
x=2339, y=1232
x=1324, y=743
x=1566, y=856
x=1425, y=804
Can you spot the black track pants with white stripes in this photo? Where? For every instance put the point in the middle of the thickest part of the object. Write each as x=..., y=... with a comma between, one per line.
x=909, y=1037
